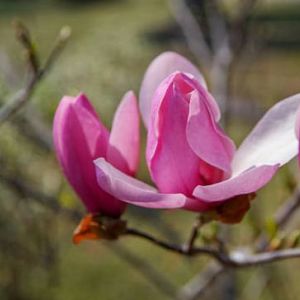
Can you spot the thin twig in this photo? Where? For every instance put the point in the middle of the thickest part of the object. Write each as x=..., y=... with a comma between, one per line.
x=235, y=259
x=195, y=288
x=239, y=260
x=24, y=37
x=199, y=222
x=180, y=249
x=282, y=217
x=192, y=31
x=218, y=30
x=20, y=186
x=256, y=285
x=17, y=101
x=288, y=209
x=31, y=125
x=146, y=270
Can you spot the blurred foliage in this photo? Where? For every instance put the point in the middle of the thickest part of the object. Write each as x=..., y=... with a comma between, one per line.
x=108, y=55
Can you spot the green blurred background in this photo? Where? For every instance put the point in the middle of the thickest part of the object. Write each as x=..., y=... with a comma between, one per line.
x=111, y=45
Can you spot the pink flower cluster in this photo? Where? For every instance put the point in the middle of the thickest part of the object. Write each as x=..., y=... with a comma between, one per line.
x=192, y=162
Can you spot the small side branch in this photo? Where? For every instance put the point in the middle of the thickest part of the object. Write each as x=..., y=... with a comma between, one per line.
x=192, y=31
x=23, y=189
x=199, y=284
x=235, y=259
x=199, y=222
x=180, y=249
x=17, y=101
x=264, y=258
x=286, y=211
x=282, y=217
x=146, y=270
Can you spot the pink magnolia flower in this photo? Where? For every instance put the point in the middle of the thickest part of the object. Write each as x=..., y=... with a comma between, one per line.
x=80, y=137
x=192, y=162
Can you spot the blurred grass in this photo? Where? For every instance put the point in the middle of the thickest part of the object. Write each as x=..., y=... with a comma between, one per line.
x=107, y=55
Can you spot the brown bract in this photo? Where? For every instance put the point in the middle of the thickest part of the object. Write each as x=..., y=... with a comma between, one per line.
x=233, y=210
x=96, y=227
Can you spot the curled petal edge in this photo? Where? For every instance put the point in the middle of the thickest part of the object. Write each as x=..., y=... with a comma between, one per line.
x=246, y=182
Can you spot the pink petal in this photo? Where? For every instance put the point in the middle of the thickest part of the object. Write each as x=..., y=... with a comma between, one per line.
x=247, y=182
x=159, y=69
x=173, y=165
x=133, y=191
x=124, y=142
x=297, y=131
x=273, y=139
x=80, y=137
x=297, y=127
x=205, y=136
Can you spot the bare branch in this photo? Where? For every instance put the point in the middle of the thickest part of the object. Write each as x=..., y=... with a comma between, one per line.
x=24, y=38
x=181, y=249
x=192, y=31
x=19, y=186
x=240, y=27
x=289, y=207
x=240, y=260
x=217, y=24
x=194, y=233
x=12, y=105
x=59, y=45
x=246, y=8
x=235, y=259
x=31, y=124
x=195, y=288
x=282, y=217
x=199, y=222
x=146, y=270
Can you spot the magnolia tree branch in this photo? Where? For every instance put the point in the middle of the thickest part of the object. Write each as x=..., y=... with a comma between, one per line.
x=234, y=259
x=195, y=288
x=288, y=209
x=199, y=222
x=192, y=31
x=237, y=259
x=180, y=249
x=282, y=217
x=145, y=269
x=25, y=190
x=13, y=104
x=31, y=125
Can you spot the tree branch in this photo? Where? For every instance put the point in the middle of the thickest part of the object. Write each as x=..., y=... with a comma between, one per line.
x=199, y=222
x=18, y=185
x=146, y=270
x=287, y=210
x=239, y=260
x=282, y=217
x=13, y=104
x=235, y=259
x=192, y=31
x=195, y=288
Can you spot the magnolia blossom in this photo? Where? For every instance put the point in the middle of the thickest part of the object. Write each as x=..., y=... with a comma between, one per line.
x=80, y=137
x=192, y=162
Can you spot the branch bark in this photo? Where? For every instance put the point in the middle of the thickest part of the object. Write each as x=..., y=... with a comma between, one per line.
x=192, y=32
x=146, y=270
x=16, y=102
x=282, y=217
x=200, y=283
x=235, y=259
